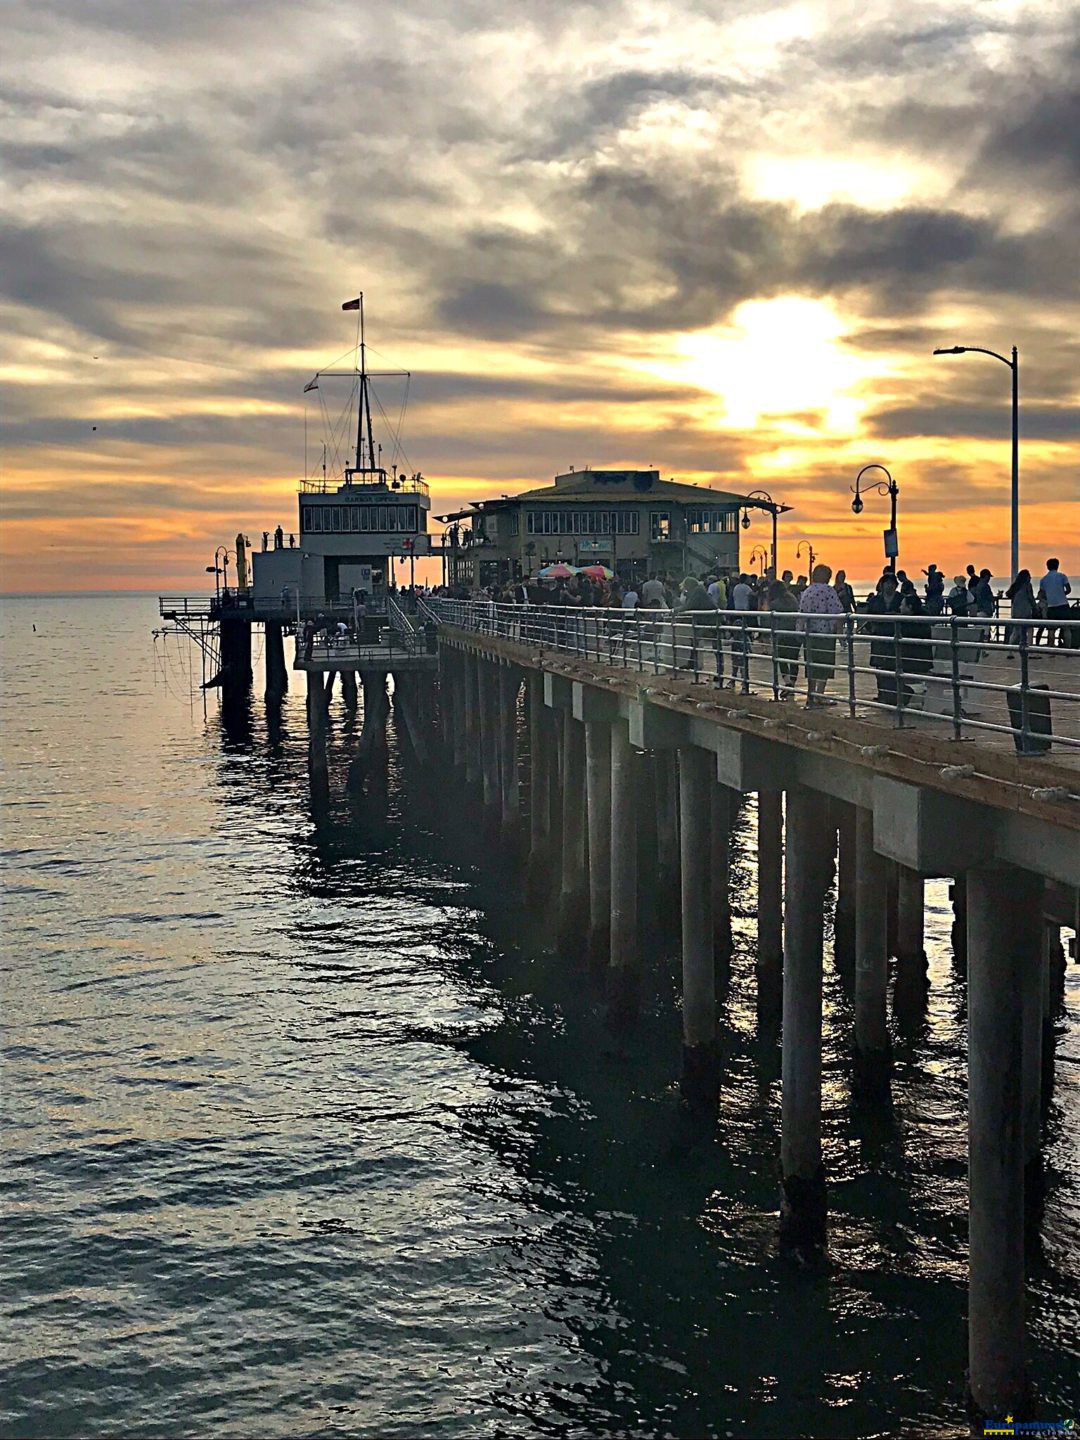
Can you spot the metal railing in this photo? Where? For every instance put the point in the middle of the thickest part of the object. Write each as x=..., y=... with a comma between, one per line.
x=971, y=677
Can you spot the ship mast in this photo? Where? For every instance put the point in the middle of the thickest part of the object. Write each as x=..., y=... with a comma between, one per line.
x=363, y=408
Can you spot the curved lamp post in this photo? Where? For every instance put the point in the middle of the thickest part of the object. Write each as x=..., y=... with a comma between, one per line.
x=222, y=552
x=765, y=502
x=810, y=549
x=1014, y=366
x=760, y=553
x=889, y=487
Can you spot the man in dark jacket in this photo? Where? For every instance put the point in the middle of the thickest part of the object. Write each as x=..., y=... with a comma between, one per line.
x=694, y=600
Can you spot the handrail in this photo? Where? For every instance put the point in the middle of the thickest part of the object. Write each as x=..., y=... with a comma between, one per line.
x=977, y=676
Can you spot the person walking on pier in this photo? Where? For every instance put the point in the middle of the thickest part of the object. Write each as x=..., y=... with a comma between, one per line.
x=695, y=600
x=1055, y=589
x=821, y=613
x=1023, y=605
x=885, y=602
x=784, y=609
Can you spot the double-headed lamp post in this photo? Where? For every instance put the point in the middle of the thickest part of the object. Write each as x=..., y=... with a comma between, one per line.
x=810, y=549
x=889, y=487
x=761, y=554
x=1014, y=366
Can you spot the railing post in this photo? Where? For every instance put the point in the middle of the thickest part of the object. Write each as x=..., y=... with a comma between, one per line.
x=1025, y=719
x=849, y=627
x=899, y=667
x=954, y=660
x=744, y=647
x=693, y=646
x=775, y=656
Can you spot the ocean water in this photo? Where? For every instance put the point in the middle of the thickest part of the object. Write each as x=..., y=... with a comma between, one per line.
x=313, y=1132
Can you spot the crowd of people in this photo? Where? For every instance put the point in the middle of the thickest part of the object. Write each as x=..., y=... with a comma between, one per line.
x=807, y=615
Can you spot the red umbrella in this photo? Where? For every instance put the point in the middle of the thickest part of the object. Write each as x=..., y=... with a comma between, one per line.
x=597, y=572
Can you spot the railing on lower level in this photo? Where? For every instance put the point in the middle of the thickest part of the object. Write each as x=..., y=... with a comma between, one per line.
x=971, y=678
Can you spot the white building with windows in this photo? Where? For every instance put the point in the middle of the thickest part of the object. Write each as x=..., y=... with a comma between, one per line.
x=349, y=535
x=629, y=520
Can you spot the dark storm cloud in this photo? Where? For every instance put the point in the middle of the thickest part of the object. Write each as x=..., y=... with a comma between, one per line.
x=597, y=107
x=976, y=422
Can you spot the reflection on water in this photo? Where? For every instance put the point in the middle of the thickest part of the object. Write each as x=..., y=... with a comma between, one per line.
x=309, y=1130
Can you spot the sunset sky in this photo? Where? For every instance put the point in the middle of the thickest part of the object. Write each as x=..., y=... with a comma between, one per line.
x=718, y=238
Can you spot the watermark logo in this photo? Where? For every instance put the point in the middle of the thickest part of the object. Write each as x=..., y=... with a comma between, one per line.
x=1009, y=1426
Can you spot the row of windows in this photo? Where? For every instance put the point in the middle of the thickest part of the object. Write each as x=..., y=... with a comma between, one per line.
x=582, y=522
x=346, y=519
x=712, y=521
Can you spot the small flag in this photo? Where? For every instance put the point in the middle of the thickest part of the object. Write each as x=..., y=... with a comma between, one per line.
x=352, y=304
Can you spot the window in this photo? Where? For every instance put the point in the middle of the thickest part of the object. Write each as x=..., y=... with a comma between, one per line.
x=729, y=521
x=326, y=517
x=593, y=521
x=514, y=522
x=661, y=525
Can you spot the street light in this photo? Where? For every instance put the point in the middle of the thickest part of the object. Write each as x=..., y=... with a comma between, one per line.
x=759, y=552
x=810, y=549
x=223, y=552
x=766, y=502
x=1014, y=366
x=889, y=487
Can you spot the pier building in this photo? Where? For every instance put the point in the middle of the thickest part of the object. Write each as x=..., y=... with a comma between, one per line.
x=630, y=520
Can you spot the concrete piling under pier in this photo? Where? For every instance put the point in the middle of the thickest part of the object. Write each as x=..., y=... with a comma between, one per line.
x=700, y=1078
x=598, y=790
x=537, y=867
x=871, y=961
x=574, y=893
x=623, y=981
x=846, y=862
x=317, y=735
x=488, y=687
x=803, y=1200
x=509, y=683
x=277, y=676
x=910, y=922
x=723, y=807
x=770, y=883
x=474, y=742
x=1004, y=941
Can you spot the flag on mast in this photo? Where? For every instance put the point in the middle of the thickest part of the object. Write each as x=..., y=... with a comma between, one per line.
x=352, y=304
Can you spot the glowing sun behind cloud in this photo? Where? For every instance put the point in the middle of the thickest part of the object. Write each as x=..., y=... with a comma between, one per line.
x=777, y=357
